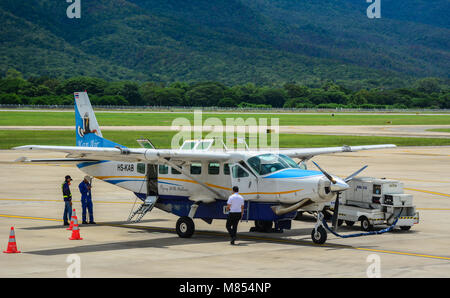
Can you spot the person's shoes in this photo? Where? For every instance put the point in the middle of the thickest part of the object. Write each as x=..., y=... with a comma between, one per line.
x=232, y=241
x=92, y=223
x=84, y=222
x=66, y=223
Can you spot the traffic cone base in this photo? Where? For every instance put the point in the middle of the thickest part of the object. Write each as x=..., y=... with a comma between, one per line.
x=75, y=231
x=12, y=246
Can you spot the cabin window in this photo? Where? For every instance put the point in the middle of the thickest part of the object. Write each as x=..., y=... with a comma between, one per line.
x=163, y=169
x=141, y=168
x=196, y=168
x=213, y=168
x=239, y=172
x=174, y=171
x=226, y=169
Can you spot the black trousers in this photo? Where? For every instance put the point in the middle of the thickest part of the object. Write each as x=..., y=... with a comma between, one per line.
x=232, y=223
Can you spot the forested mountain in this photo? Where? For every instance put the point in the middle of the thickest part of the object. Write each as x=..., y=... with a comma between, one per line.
x=266, y=42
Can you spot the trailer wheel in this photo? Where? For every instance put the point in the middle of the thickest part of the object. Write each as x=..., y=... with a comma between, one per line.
x=349, y=223
x=319, y=236
x=405, y=228
x=365, y=224
x=185, y=227
x=340, y=222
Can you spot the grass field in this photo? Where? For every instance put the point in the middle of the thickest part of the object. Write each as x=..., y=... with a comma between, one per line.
x=440, y=129
x=12, y=138
x=165, y=119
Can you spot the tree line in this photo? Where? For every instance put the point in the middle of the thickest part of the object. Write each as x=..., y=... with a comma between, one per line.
x=433, y=93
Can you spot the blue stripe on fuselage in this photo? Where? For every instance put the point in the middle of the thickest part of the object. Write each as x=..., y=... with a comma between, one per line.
x=294, y=173
x=90, y=163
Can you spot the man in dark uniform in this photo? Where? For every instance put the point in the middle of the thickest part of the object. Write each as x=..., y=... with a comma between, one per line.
x=86, y=199
x=67, y=195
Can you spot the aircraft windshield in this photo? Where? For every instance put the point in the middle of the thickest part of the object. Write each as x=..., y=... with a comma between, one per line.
x=269, y=163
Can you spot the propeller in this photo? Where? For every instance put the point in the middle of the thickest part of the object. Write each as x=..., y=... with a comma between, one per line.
x=354, y=174
x=338, y=186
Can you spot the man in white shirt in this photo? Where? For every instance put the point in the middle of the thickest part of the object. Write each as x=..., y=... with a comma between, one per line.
x=235, y=206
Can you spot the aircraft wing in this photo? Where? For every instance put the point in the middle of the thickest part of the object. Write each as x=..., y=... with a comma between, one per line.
x=126, y=154
x=307, y=153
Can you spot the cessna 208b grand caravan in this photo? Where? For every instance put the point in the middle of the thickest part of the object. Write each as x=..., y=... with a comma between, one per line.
x=194, y=181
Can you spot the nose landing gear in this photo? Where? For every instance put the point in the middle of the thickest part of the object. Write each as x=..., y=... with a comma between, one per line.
x=319, y=234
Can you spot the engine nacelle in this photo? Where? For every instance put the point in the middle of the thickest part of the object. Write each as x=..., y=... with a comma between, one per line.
x=324, y=189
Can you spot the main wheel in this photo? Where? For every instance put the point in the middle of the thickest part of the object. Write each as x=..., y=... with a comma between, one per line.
x=185, y=227
x=319, y=236
x=365, y=224
x=263, y=225
x=405, y=228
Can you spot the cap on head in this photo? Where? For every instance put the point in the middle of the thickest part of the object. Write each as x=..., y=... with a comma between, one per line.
x=87, y=177
x=235, y=189
x=68, y=177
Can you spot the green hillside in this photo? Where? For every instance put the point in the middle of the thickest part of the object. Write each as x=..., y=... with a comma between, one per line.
x=232, y=42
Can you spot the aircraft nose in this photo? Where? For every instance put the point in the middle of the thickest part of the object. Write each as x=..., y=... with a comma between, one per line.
x=340, y=185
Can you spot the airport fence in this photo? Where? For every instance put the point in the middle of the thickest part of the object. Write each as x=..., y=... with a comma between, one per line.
x=221, y=109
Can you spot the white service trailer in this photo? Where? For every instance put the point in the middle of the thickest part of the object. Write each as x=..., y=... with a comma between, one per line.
x=375, y=202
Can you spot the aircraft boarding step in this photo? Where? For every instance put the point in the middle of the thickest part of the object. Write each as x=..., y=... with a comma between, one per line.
x=147, y=206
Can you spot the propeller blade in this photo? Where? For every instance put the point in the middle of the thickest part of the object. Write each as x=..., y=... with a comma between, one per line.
x=334, y=219
x=354, y=174
x=325, y=173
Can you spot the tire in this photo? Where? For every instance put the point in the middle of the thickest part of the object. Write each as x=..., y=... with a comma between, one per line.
x=340, y=222
x=365, y=224
x=405, y=228
x=320, y=236
x=185, y=227
x=349, y=223
x=263, y=225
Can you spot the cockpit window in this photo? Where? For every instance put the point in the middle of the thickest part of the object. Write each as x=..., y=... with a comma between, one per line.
x=269, y=163
x=289, y=161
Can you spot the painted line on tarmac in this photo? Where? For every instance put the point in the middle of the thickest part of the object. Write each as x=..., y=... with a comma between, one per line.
x=41, y=200
x=428, y=191
x=249, y=237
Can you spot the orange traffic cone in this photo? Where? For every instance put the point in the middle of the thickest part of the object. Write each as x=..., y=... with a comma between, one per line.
x=75, y=231
x=12, y=247
x=74, y=215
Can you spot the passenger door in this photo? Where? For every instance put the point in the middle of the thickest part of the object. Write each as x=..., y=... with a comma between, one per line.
x=246, y=181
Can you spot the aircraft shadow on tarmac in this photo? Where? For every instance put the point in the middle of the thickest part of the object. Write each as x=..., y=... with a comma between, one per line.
x=60, y=226
x=199, y=237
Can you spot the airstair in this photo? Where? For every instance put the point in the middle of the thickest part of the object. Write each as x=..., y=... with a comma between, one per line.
x=140, y=212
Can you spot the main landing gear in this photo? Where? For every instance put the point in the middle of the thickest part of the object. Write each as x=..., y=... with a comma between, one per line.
x=185, y=227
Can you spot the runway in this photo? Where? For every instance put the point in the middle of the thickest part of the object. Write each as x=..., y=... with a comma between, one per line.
x=30, y=201
x=417, y=131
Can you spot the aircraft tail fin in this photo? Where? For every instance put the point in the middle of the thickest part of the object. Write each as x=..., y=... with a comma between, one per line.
x=88, y=133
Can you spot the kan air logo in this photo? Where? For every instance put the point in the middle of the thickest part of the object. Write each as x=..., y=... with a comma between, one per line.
x=86, y=128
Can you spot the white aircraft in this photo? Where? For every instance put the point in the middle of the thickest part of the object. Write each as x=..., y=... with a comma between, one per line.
x=195, y=181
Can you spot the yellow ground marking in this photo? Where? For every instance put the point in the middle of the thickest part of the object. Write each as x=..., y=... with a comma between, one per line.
x=442, y=209
x=419, y=180
x=61, y=201
x=428, y=191
x=29, y=217
x=249, y=237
